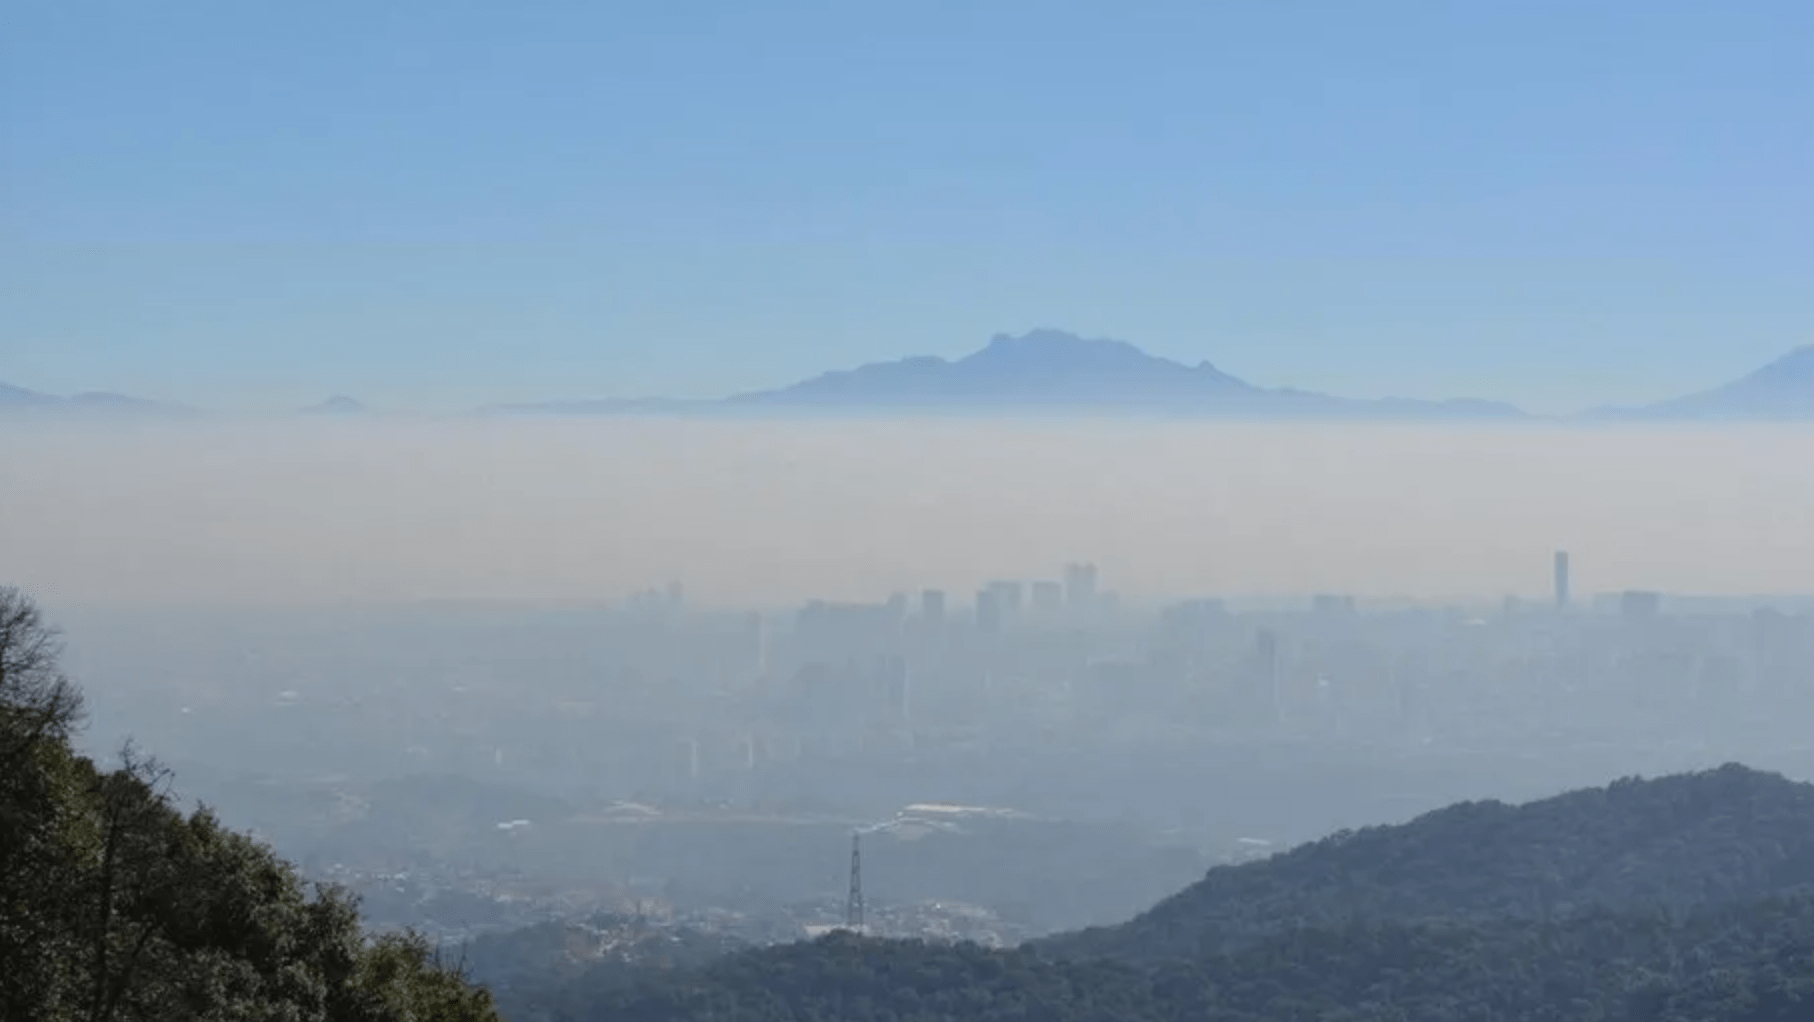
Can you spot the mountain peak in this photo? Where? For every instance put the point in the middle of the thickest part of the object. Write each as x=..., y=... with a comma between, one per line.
x=1782, y=389
x=1796, y=366
x=337, y=405
x=1048, y=369
x=1050, y=351
x=1048, y=342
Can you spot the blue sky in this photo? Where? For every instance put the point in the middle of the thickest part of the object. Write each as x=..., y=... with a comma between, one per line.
x=436, y=203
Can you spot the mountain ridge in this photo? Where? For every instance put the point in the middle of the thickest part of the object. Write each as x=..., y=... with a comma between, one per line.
x=19, y=399
x=1780, y=390
x=1052, y=371
x=1043, y=369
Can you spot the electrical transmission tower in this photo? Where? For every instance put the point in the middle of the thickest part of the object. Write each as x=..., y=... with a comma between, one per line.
x=853, y=908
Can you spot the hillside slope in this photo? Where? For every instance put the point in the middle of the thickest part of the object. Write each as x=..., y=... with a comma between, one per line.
x=1686, y=842
x=1781, y=391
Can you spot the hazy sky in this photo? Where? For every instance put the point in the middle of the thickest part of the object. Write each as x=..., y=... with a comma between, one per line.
x=443, y=202
x=778, y=512
x=435, y=203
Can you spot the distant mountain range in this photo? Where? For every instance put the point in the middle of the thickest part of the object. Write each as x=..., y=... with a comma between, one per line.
x=1780, y=391
x=1055, y=371
x=1044, y=370
x=18, y=399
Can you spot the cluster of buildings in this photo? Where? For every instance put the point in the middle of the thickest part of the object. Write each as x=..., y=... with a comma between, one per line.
x=687, y=744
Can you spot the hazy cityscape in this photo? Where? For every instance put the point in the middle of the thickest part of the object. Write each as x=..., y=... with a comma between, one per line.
x=1010, y=511
x=1035, y=756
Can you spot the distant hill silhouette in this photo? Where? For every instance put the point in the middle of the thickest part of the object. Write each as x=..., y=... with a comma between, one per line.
x=19, y=397
x=1780, y=391
x=98, y=402
x=1045, y=370
x=337, y=405
x=1688, y=842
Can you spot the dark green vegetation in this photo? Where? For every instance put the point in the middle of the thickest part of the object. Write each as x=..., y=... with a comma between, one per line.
x=1749, y=965
x=529, y=965
x=116, y=905
x=1683, y=899
x=1683, y=843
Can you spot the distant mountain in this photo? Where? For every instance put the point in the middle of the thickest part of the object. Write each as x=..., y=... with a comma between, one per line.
x=18, y=399
x=1780, y=391
x=1048, y=370
x=1685, y=843
x=337, y=405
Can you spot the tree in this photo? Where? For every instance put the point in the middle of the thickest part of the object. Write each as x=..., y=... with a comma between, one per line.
x=37, y=701
x=116, y=906
x=39, y=709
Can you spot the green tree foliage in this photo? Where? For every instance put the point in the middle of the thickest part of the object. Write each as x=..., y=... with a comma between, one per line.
x=1754, y=964
x=116, y=906
x=606, y=949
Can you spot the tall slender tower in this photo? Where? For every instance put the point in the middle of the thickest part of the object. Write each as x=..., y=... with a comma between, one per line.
x=1561, y=579
x=853, y=907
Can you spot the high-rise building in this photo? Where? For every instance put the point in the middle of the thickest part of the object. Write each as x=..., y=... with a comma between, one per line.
x=685, y=767
x=988, y=612
x=1080, y=586
x=1331, y=605
x=1640, y=603
x=932, y=606
x=897, y=690
x=1048, y=600
x=1264, y=705
x=1561, y=579
x=1007, y=599
x=755, y=630
x=1191, y=618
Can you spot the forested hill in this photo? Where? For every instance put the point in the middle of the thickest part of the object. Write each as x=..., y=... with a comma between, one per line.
x=1681, y=843
x=1750, y=964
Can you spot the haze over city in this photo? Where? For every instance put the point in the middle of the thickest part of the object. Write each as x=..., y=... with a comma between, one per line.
x=962, y=511
x=771, y=513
